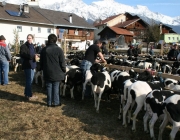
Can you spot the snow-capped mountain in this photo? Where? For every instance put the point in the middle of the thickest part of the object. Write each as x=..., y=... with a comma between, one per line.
x=103, y=9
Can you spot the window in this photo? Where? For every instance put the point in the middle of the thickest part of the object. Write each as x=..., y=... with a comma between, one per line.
x=21, y=42
x=19, y=28
x=49, y=30
x=177, y=38
x=169, y=38
x=31, y=28
x=39, y=30
x=76, y=32
x=173, y=38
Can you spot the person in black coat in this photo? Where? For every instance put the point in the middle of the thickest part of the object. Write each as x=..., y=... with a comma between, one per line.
x=28, y=55
x=104, y=49
x=52, y=62
x=136, y=51
x=173, y=53
x=130, y=51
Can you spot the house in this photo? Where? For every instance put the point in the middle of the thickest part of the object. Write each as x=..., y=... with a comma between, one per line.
x=76, y=30
x=133, y=26
x=12, y=19
x=136, y=26
x=110, y=21
x=168, y=35
x=115, y=34
x=30, y=19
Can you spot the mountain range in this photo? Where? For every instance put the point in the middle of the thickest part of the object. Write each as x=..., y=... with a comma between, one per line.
x=103, y=9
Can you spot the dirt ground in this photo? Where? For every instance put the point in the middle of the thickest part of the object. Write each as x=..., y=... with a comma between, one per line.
x=74, y=120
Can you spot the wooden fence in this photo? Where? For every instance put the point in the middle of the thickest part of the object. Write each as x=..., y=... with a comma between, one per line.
x=126, y=68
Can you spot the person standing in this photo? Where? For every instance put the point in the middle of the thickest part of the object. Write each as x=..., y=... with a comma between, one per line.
x=136, y=51
x=130, y=51
x=173, y=53
x=5, y=57
x=104, y=49
x=151, y=52
x=27, y=54
x=90, y=58
x=52, y=62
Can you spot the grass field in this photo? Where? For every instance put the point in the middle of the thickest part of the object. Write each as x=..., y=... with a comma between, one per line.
x=74, y=120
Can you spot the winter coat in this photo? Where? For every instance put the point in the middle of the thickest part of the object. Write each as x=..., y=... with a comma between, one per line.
x=52, y=62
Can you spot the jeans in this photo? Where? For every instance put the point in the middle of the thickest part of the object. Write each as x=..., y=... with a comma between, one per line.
x=52, y=93
x=4, y=69
x=85, y=65
x=29, y=76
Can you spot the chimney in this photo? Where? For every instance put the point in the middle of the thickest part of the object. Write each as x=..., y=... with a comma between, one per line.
x=26, y=8
x=70, y=18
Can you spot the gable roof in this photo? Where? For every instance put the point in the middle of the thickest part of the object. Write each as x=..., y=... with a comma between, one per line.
x=118, y=31
x=32, y=16
x=62, y=19
x=37, y=15
x=126, y=23
x=101, y=22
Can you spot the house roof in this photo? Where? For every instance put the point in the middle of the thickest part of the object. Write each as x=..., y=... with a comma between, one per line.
x=101, y=22
x=32, y=16
x=118, y=31
x=126, y=23
x=62, y=19
x=44, y=16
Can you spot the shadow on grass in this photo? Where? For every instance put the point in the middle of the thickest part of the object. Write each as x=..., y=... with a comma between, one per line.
x=15, y=97
x=19, y=78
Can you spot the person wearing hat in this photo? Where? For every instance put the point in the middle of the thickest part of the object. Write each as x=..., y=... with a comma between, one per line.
x=173, y=53
x=5, y=57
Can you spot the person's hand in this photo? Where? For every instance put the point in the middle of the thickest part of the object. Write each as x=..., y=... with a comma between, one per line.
x=97, y=61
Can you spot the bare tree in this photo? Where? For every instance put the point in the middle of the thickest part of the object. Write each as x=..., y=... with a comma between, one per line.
x=152, y=33
x=16, y=45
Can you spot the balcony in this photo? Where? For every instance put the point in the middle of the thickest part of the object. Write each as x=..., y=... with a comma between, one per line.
x=75, y=37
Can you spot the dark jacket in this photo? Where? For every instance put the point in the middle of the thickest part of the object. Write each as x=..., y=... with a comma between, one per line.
x=104, y=50
x=172, y=55
x=52, y=62
x=28, y=60
x=136, y=52
x=130, y=52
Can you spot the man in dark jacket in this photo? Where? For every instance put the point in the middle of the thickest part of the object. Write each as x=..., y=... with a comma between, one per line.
x=104, y=49
x=52, y=63
x=173, y=53
x=136, y=51
x=130, y=51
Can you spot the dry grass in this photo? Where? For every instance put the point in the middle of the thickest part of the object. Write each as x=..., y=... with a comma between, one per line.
x=74, y=120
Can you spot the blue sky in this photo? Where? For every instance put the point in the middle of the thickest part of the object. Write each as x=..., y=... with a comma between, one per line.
x=167, y=7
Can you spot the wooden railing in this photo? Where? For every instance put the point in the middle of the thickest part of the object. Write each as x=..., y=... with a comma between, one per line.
x=75, y=37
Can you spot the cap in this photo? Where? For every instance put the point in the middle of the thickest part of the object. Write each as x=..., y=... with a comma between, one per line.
x=2, y=37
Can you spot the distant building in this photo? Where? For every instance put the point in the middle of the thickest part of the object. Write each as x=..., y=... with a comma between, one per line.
x=168, y=35
x=127, y=28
